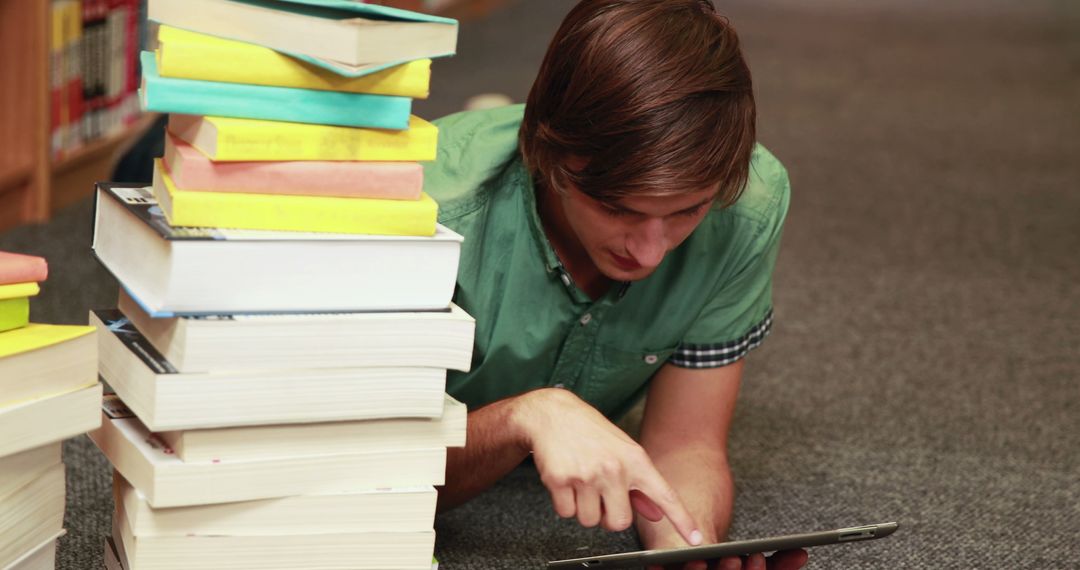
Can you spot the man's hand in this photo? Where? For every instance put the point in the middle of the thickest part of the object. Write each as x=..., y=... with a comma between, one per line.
x=783, y=560
x=593, y=470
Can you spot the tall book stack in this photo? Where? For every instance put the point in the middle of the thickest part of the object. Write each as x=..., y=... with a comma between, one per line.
x=48, y=392
x=280, y=345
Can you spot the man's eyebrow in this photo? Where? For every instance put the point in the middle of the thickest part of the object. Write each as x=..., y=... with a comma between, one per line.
x=620, y=207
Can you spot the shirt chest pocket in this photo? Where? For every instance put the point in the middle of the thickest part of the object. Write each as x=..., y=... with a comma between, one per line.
x=620, y=375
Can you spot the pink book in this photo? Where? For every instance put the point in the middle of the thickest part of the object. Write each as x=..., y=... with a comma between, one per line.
x=192, y=170
x=19, y=268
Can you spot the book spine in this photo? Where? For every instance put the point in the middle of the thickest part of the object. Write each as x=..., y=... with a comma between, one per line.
x=192, y=171
x=241, y=140
x=57, y=40
x=168, y=95
x=188, y=55
x=294, y=213
x=74, y=79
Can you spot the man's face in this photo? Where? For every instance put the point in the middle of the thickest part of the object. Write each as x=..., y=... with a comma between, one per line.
x=627, y=239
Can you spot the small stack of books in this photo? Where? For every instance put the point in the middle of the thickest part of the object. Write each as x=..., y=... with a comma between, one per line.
x=281, y=341
x=48, y=392
x=282, y=140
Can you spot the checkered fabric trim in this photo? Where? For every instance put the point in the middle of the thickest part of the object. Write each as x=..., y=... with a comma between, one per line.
x=717, y=355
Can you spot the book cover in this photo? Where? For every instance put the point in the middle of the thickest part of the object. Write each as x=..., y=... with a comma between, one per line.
x=14, y=313
x=187, y=96
x=153, y=468
x=192, y=171
x=19, y=268
x=167, y=399
x=34, y=423
x=35, y=336
x=232, y=139
x=279, y=212
x=174, y=271
x=190, y=55
x=353, y=33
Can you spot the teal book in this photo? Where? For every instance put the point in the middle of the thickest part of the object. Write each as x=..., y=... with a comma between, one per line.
x=191, y=97
x=14, y=313
x=345, y=36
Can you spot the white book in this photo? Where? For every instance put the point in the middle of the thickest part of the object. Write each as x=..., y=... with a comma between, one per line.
x=41, y=557
x=112, y=558
x=185, y=271
x=53, y=418
x=402, y=509
x=19, y=469
x=436, y=339
x=31, y=515
x=153, y=468
x=166, y=399
x=324, y=438
x=362, y=35
x=342, y=551
x=65, y=362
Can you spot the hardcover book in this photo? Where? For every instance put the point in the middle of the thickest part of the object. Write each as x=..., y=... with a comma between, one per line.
x=324, y=438
x=39, y=360
x=31, y=516
x=283, y=212
x=192, y=171
x=430, y=339
x=231, y=139
x=403, y=509
x=167, y=400
x=353, y=33
x=188, y=96
x=37, y=422
x=185, y=54
x=192, y=271
x=145, y=460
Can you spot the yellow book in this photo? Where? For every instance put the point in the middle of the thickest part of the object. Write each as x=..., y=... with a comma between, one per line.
x=190, y=55
x=231, y=139
x=16, y=290
x=34, y=336
x=283, y=212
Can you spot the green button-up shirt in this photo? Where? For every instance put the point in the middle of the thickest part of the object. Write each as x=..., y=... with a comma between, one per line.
x=706, y=305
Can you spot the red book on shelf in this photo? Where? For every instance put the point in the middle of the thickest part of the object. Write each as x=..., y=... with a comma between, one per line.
x=19, y=268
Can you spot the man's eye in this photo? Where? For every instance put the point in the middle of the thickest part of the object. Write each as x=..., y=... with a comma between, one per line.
x=692, y=212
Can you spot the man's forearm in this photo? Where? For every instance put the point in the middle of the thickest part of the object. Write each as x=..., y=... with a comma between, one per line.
x=492, y=449
x=701, y=476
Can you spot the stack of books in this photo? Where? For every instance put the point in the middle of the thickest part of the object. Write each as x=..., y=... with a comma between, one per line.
x=281, y=341
x=48, y=392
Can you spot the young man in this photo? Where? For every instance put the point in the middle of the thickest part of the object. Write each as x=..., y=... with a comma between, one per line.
x=621, y=232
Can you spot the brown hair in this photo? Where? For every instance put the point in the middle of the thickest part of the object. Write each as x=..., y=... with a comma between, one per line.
x=653, y=94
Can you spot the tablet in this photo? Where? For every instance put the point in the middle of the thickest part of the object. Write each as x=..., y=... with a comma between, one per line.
x=737, y=548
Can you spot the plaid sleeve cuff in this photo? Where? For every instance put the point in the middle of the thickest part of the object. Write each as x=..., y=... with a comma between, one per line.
x=717, y=355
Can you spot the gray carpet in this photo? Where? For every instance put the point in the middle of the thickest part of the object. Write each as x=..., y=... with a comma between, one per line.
x=925, y=359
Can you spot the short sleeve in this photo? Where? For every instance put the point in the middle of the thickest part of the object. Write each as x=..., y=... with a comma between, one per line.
x=739, y=314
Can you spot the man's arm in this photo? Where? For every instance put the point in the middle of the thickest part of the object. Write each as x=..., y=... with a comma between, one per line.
x=685, y=429
x=591, y=468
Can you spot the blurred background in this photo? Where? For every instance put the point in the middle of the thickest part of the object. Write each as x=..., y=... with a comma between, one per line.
x=924, y=365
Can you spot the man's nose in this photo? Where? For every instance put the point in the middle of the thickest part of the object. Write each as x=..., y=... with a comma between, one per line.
x=648, y=243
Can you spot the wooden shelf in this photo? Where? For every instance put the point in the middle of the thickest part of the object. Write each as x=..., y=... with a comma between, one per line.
x=33, y=185
x=14, y=176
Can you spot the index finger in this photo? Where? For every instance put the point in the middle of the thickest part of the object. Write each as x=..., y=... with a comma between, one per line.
x=661, y=494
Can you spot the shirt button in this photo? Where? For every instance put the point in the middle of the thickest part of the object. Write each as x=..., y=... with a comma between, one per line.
x=651, y=359
x=565, y=279
x=586, y=318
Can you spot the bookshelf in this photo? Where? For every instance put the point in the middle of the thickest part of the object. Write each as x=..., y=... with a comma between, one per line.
x=34, y=184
